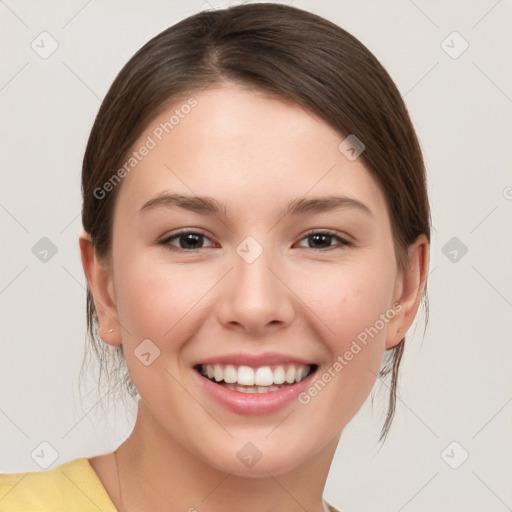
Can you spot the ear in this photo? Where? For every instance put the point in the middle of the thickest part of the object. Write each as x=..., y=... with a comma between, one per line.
x=409, y=290
x=101, y=285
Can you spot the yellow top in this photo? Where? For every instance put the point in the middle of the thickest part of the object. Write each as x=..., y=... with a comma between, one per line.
x=70, y=487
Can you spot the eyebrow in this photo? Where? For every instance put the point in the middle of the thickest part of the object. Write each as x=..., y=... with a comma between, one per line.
x=207, y=205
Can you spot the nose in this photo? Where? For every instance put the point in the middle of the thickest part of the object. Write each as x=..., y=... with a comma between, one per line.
x=255, y=299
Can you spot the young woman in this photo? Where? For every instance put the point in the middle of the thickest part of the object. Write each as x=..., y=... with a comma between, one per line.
x=256, y=244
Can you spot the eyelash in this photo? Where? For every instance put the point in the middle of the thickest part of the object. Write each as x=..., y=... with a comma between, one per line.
x=342, y=242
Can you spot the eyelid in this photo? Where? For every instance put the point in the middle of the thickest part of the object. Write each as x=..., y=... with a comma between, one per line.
x=166, y=239
x=327, y=231
x=345, y=240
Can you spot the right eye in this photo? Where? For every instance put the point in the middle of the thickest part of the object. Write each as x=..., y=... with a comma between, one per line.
x=189, y=241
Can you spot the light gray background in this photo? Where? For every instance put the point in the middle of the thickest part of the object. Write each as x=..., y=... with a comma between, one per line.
x=455, y=382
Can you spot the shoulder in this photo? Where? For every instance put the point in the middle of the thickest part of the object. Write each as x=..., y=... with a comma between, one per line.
x=72, y=486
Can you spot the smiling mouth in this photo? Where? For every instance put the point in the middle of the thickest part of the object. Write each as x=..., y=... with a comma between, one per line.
x=262, y=379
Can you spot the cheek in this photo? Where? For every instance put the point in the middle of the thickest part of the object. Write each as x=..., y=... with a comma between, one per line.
x=352, y=308
x=164, y=304
x=348, y=300
x=158, y=301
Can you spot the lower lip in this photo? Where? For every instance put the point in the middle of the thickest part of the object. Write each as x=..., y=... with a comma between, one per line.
x=252, y=404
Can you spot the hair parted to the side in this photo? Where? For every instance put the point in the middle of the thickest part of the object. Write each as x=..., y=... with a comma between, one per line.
x=283, y=51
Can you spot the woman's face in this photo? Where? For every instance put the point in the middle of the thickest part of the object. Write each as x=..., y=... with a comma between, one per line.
x=258, y=289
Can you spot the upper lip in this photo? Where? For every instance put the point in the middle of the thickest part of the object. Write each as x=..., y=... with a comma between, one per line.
x=254, y=360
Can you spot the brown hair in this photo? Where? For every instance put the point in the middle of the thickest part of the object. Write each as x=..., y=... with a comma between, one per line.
x=283, y=51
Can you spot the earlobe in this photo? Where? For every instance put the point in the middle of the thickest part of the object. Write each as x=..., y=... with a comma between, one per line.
x=410, y=292
x=101, y=286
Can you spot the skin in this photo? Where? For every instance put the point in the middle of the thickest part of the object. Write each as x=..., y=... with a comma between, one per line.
x=252, y=153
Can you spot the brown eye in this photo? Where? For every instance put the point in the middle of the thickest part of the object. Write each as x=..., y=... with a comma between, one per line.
x=324, y=240
x=185, y=241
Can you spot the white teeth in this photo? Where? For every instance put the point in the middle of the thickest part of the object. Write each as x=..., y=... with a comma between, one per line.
x=264, y=376
x=252, y=389
x=218, y=373
x=255, y=378
x=245, y=376
x=279, y=375
x=290, y=375
x=301, y=373
x=230, y=374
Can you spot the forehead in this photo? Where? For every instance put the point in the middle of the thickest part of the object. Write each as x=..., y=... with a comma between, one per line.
x=242, y=147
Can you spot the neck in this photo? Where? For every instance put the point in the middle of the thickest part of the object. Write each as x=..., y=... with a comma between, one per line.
x=157, y=473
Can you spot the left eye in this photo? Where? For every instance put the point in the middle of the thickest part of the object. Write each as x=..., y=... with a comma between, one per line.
x=191, y=240
x=323, y=240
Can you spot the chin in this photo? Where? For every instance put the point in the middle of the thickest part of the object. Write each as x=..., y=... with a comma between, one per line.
x=249, y=461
